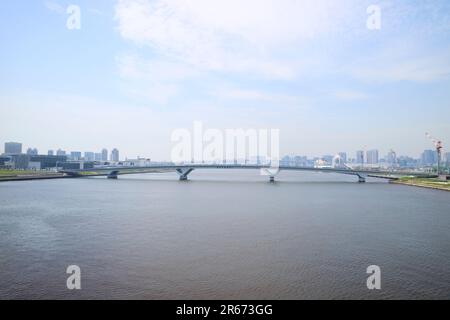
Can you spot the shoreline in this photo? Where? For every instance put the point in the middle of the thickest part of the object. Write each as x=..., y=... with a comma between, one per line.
x=420, y=185
x=33, y=177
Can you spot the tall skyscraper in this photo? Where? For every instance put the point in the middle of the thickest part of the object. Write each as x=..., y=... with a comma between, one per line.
x=50, y=153
x=98, y=157
x=115, y=155
x=104, y=155
x=13, y=148
x=372, y=156
x=60, y=152
x=360, y=157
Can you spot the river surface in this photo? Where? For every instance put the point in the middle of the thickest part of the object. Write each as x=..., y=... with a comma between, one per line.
x=223, y=235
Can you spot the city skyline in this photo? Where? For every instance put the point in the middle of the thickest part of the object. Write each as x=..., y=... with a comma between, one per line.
x=320, y=75
x=372, y=156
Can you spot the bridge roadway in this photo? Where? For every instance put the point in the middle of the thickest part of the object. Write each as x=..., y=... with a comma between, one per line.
x=112, y=172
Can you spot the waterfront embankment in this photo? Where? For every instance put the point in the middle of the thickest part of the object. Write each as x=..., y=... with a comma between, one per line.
x=19, y=175
x=431, y=183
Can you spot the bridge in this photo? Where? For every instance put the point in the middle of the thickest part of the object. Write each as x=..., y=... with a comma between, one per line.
x=183, y=171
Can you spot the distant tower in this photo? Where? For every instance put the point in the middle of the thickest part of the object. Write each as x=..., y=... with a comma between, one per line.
x=104, y=155
x=372, y=157
x=115, y=155
x=343, y=157
x=360, y=157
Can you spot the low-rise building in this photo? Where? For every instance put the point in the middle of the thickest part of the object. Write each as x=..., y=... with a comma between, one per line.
x=76, y=165
x=19, y=161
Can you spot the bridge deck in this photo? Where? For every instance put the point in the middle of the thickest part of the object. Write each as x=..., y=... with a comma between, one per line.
x=120, y=170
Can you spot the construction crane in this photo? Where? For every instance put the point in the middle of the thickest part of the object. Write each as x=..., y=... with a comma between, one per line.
x=438, y=145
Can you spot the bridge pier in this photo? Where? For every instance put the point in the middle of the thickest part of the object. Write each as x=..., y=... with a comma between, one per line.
x=113, y=175
x=183, y=173
x=361, y=179
x=271, y=172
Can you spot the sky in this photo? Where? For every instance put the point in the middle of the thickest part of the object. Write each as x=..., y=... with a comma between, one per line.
x=137, y=70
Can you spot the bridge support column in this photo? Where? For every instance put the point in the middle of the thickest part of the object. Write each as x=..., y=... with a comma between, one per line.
x=361, y=179
x=271, y=172
x=113, y=175
x=183, y=173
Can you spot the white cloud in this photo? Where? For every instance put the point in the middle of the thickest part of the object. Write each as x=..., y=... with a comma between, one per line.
x=54, y=7
x=231, y=36
x=192, y=41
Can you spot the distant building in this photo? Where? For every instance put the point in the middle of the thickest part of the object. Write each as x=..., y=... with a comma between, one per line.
x=60, y=152
x=75, y=155
x=46, y=162
x=89, y=156
x=76, y=165
x=98, y=157
x=295, y=161
x=391, y=158
x=447, y=158
x=328, y=159
x=50, y=153
x=372, y=157
x=285, y=161
x=13, y=148
x=115, y=155
x=321, y=163
x=105, y=155
x=4, y=161
x=407, y=162
x=20, y=161
x=359, y=157
x=32, y=151
x=139, y=162
x=343, y=156
x=429, y=157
